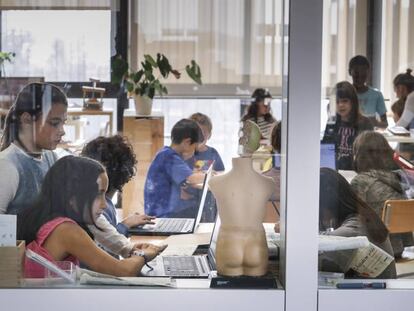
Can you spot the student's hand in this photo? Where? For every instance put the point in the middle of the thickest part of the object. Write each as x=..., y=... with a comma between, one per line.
x=184, y=195
x=151, y=251
x=137, y=219
x=139, y=246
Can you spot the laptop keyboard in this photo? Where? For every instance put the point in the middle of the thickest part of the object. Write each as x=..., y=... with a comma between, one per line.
x=174, y=225
x=182, y=265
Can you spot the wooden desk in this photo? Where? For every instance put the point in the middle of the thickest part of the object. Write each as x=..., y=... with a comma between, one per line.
x=202, y=236
x=90, y=112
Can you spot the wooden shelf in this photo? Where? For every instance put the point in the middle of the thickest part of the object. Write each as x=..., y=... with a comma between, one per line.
x=146, y=135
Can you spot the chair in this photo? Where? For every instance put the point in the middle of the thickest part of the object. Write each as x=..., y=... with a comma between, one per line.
x=398, y=215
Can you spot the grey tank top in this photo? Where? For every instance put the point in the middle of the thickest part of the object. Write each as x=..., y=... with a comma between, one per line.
x=31, y=172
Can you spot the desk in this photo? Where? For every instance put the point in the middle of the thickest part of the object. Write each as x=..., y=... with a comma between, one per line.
x=90, y=112
x=201, y=236
x=391, y=138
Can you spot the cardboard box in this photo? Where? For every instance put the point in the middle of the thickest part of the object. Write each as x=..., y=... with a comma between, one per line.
x=12, y=265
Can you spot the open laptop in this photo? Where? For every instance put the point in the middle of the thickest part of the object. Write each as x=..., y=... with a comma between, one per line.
x=169, y=226
x=196, y=266
x=328, y=156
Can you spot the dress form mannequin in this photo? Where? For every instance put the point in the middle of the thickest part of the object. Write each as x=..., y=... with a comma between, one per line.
x=242, y=195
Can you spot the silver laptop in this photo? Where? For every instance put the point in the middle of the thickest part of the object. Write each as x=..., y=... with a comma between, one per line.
x=169, y=226
x=196, y=266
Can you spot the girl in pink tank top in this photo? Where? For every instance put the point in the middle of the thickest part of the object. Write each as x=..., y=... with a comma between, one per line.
x=33, y=269
x=56, y=225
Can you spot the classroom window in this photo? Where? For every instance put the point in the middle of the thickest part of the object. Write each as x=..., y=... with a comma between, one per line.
x=59, y=45
x=237, y=43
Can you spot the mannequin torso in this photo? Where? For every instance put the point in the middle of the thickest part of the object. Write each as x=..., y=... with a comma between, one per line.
x=242, y=195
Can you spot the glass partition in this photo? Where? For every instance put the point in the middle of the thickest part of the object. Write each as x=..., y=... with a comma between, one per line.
x=366, y=148
x=109, y=194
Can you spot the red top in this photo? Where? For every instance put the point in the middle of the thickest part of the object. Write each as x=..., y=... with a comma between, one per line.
x=33, y=269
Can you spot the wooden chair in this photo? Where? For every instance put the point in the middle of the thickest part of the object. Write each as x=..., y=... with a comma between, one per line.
x=398, y=215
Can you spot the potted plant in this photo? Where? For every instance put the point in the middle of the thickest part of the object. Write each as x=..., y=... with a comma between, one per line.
x=145, y=83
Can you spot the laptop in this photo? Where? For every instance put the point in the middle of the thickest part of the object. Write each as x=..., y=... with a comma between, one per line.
x=196, y=266
x=169, y=226
x=328, y=156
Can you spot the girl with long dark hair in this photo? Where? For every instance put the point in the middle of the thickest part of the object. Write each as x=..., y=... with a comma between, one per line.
x=348, y=124
x=259, y=112
x=56, y=226
x=343, y=213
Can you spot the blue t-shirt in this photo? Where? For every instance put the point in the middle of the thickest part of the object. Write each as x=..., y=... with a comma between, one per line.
x=202, y=160
x=110, y=214
x=162, y=191
x=371, y=102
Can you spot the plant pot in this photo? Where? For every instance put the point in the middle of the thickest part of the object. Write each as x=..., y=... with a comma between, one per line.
x=143, y=105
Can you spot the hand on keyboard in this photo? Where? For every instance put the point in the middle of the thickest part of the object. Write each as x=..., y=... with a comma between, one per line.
x=137, y=219
x=151, y=251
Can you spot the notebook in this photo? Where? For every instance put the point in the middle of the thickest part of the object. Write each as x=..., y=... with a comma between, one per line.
x=328, y=156
x=169, y=226
x=196, y=266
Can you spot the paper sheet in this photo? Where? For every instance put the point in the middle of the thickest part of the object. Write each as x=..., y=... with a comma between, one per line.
x=130, y=281
x=329, y=243
x=371, y=261
x=89, y=277
x=179, y=250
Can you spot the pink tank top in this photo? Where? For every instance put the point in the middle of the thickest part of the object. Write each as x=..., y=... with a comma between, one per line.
x=34, y=270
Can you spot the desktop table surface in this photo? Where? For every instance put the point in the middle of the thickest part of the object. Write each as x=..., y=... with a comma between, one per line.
x=201, y=236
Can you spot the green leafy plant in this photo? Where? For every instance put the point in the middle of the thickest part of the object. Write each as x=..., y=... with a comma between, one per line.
x=6, y=57
x=147, y=79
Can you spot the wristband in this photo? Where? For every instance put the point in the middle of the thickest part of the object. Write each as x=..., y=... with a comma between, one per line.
x=140, y=253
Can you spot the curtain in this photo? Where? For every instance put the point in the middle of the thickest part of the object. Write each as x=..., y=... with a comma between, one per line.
x=397, y=42
x=237, y=43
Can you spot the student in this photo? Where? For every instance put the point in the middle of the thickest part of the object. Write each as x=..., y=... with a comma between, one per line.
x=348, y=124
x=378, y=179
x=169, y=174
x=201, y=161
x=56, y=226
x=204, y=154
x=115, y=153
x=259, y=112
x=371, y=101
x=343, y=213
x=34, y=127
x=404, y=87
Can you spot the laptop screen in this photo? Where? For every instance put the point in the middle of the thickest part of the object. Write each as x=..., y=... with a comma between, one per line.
x=328, y=156
x=203, y=195
x=213, y=241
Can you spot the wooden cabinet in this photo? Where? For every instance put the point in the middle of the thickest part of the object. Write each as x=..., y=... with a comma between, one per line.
x=146, y=135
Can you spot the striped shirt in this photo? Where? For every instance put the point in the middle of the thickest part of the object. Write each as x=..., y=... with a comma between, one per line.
x=265, y=127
